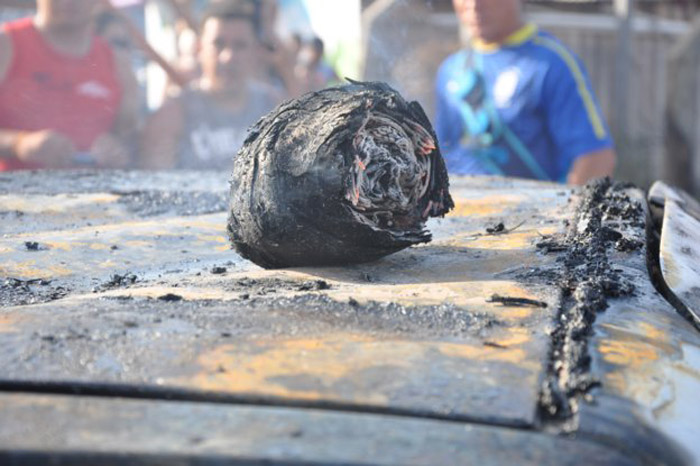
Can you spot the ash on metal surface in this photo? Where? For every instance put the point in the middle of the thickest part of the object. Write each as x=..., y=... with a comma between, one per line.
x=17, y=292
x=51, y=182
x=344, y=175
x=117, y=281
x=186, y=203
x=515, y=301
x=284, y=316
x=373, y=316
x=267, y=286
x=587, y=281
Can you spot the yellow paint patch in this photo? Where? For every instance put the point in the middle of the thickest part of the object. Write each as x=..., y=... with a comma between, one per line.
x=62, y=245
x=472, y=295
x=631, y=354
x=508, y=353
x=485, y=206
x=653, y=333
x=266, y=366
x=8, y=324
x=58, y=203
x=638, y=332
x=515, y=240
x=30, y=269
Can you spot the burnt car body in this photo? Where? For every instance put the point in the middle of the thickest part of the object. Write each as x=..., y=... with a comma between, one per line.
x=543, y=325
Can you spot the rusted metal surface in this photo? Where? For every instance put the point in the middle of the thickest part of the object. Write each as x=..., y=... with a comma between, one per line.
x=157, y=432
x=416, y=334
x=438, y=348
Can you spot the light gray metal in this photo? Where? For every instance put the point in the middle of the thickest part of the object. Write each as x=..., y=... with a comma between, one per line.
x=83, y=430
x=624, y=10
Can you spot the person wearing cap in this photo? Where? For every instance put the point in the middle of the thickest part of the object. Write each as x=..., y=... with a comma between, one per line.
x=66, y=99
x=518, y=102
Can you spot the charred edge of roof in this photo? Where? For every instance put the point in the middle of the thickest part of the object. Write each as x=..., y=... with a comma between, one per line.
x=653, y=237
x=587, y=281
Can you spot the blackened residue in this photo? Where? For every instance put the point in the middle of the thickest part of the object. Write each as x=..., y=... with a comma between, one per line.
x=497, y=228
x=31, y=245
x=170, y=297
x=117, y=281
x=17, y=292
x=587, y=282
x=516, y=301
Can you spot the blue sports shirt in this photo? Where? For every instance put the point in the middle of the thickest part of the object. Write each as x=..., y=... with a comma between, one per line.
x=524, y=108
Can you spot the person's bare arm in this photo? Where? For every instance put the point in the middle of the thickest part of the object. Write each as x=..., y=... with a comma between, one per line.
x=114, y=149
x=128, y=120
x=8, y=138
x=594, y=165
x=161, y=135
x=47, y=147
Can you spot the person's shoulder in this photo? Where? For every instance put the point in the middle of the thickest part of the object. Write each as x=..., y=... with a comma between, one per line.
x=549, y=49
x=451, y=63
x=453, y=59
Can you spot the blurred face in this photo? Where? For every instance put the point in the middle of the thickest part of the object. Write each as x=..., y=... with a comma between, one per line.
x=227, y=52
x=489, y=20
x=67, y=13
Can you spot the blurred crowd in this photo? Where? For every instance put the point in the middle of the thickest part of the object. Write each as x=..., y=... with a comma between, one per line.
x=69, y=97
x=514, y=102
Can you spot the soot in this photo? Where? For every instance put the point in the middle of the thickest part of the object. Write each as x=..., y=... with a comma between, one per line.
x=345, y=175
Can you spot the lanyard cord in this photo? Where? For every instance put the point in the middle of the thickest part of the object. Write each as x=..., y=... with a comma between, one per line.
x=474, y=61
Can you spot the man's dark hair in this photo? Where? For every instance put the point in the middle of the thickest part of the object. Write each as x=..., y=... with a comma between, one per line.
x=248, y=10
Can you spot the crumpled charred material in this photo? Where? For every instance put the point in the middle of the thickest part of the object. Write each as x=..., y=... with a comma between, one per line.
x=344, y=175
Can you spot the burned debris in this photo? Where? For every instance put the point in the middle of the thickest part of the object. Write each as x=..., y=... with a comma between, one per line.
x=588, y=281
x=344, y=175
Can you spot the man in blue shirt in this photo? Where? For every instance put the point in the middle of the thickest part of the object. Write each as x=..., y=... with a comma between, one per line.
x=518, y=102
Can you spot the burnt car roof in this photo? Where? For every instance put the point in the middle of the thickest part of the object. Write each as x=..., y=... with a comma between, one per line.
x=528, y=316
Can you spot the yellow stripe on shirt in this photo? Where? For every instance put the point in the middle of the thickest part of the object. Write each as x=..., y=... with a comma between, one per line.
x=584, y=92
x=519, y=37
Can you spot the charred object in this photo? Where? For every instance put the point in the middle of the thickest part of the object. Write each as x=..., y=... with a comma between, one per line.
x=345, y=175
